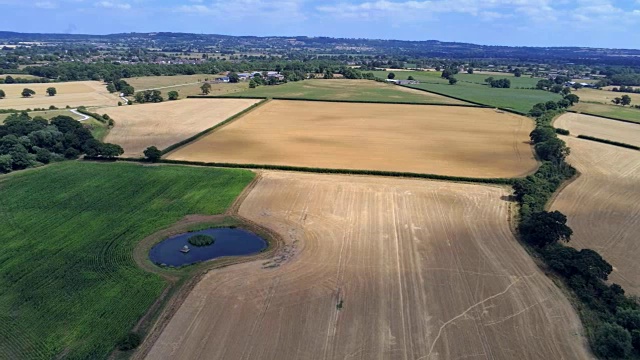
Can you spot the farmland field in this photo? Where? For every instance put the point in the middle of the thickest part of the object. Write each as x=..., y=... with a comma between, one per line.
x=69, y=283
x=152, y=82
x=163, y=124
x=579, y=124
x=377, y=268
x=46, y=114
x=604, y=97
x=74, y=94
x=435, y=77
x=603, y=205
x=445, y=140
x=618, y=112
x=343, y=89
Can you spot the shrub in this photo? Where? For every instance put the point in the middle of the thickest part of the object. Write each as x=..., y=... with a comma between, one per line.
x=201, y=240
x=612, y=341
x=562, y=131
x=129, y=342
x=152, y=154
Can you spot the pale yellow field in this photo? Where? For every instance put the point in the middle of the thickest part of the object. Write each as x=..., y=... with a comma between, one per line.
x=149, y=82
x=603, y=96
x=74, y=94
x=163, y=124
x=458, y=141
x=377, y=268
x=603, y=206
x=579, y=124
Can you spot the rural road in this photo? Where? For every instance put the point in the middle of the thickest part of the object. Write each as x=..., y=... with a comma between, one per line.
x=83, y=116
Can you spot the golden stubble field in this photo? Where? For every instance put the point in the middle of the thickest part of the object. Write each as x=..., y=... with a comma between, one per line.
x=377, y=268
x=445, y=140
x=603, y=205
x=579, y=124
x=74, y=94
x=163, y=124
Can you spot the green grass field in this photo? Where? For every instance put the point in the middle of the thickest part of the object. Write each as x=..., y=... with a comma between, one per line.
x=45, y=114
x=342, y=89
x=70, y=287
x=614, y=111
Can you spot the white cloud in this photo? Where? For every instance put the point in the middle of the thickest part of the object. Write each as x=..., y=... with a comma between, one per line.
x=287, y=10
x=113, y=5
x=46, y=5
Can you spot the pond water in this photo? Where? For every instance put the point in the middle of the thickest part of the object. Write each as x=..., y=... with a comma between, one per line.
x=229, y=242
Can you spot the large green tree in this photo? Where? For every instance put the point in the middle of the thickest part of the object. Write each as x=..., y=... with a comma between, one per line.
x=544, y=228
x=27, y=92
x=51, y=91
x=206, y=88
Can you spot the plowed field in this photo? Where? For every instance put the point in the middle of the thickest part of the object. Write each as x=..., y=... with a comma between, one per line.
x=377, y=269
x=444, y=140
x=603, y=205
x=163, y=124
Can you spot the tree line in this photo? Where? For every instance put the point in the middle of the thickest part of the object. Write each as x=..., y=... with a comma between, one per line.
x=611, y=318
x=29, y=142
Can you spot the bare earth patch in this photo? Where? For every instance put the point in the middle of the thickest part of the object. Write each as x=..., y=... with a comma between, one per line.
x=459, y=141
x=163, y=124
x=376, y=268
x=603, y=205
x=74, y=94
x=579, y=124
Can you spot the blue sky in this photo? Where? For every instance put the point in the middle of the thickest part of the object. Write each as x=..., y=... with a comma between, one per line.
x=595, y=23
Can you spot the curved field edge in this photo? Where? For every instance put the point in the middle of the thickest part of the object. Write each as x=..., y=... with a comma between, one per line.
x=70, y=284
x=321, y=300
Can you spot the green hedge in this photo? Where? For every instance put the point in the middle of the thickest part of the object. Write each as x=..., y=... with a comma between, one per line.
x=206, y=131
x=560, y=131
x=604, y=117
x=502, y=181
x=448, y=96
x=610, y=142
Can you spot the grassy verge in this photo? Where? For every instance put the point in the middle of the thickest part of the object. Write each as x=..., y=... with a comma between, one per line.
x=610, y=142
x=70, y=284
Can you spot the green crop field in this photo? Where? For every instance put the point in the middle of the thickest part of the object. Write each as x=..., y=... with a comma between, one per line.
x=433, y=77
x=48, y=114
x=343, y=89
x=614, y=111
x=70, y=287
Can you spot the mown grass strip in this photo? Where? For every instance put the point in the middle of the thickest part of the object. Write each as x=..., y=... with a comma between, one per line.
x=501, y=181
x=336, y=101
x=206, y=131
x=603, y=116
x=610, y=142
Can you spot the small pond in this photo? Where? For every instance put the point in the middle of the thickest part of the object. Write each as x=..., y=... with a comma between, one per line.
x=228, y=242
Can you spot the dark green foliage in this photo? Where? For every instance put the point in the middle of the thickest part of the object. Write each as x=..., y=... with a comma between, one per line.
x=610, y=142
x=173, y=95
x=205, y=88
x=391, y=76
x=544, y=228
x=553, y=149
x=27, y=92
x=628, y=319
x=152, y=154
x=452, y=80
x=2, y=94
x=129, y=342
x=570, y=262
x=201, y=240
x=560, y=131
x=542, y=134
x=635, y=339
x=500, y=83
x=233, y=77
x=612, y=341
x=149, y=96
x=52, y=91
x=572, y=98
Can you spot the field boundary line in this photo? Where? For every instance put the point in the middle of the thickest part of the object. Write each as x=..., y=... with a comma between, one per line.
x=181, y=143
x=337, y=101
x=465, y=100
x=498, y=181
x=608, y=142
x=604, y=117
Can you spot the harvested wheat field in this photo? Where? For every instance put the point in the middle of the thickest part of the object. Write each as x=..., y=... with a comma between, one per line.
x=377, y=268
x=603, y=206
x=445, y=140
x=74, y=94
x=579, y=124
x=163, y=124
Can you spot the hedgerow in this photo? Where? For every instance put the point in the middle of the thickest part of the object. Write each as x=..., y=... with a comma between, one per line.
x=610, y=142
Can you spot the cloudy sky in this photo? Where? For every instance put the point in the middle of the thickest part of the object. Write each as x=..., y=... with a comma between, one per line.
x=596, y=23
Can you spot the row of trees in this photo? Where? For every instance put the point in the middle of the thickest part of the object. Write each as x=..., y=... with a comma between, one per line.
x=26, y=92
x=18, y=80
x=623, y=100
x=498, y=83
x=27, y=142
x=614, y=319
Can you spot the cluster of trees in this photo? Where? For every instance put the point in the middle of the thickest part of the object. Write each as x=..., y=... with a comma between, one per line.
x=614, y=319
x=121, y=86
x=27, y=142
x=626, y=89
x=540, y=108
x=18, y=80
x=263, y=79
x=623, y=100
x=149, y=96
x=498, y=83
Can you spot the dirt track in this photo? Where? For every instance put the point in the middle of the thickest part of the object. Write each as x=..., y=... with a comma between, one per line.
x=445, y=140
x=423, y=270
x=163, y=124
x=579, y=124
x=603, y=205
